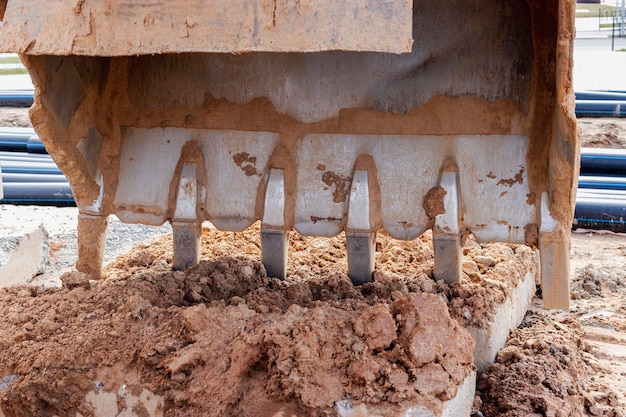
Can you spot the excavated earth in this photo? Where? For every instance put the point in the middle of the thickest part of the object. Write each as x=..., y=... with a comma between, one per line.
x=223, y=339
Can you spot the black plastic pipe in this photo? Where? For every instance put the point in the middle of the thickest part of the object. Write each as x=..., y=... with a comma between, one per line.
x=16, y=98
x=586, y=182
x=596, y=161
x=600, y=108
x=22, y=156
x=39, y=163
x=599, y=194
x=19, y=143
x=33, y=178
x=20, y=140
x=15, y=139
x=42, y=194
x=600, y=95
x=596, y=213
x=35, y=145
x=19, y=167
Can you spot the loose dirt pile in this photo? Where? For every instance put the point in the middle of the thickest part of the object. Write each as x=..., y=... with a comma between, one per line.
x=568, y=363
x=602, y=132
x=253, y=342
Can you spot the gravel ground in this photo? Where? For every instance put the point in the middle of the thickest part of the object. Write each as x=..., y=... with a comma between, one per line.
x=60, y=223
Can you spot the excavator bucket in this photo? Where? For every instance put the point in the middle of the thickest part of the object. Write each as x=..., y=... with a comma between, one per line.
x=323, y=116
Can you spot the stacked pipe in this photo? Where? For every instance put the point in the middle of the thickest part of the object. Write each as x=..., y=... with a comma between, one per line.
x=601, y=197
x=601, y=104
x=29, y=175
x=16, y=98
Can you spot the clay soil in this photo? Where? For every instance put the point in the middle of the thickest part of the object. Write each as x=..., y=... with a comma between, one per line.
x=223, y=339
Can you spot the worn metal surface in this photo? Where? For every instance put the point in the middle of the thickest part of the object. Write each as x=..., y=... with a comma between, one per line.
x=493, y=184
x=126, y=27
x=234, y=165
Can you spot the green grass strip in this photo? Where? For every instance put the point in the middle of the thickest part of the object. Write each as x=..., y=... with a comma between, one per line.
x=594, y=10
x=10, y=60
x=12, y=71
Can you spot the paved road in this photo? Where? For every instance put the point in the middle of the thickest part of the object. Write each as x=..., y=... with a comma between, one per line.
x=598, y=63
x=589, y=37
x=599, y=41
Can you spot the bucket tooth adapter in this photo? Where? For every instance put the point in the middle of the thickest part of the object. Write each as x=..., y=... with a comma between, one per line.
x=323, y=117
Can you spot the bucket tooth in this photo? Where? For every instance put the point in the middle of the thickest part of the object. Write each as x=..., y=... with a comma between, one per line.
x=91, y=242
x=186, y=229
x=446, y=234
x=554, y=259
x=361, y=250
x=274, y=245
x=360, y=241
x=274, y=237
x=186, y=244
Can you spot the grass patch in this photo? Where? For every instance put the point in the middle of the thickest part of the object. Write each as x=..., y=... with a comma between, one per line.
x=12, y=71
x=10, y=60
x=594, y=10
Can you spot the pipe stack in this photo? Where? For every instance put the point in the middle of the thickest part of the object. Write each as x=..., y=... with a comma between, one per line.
x=16, y=98
x=29, y=175
x=601, y=197
x=601, y=104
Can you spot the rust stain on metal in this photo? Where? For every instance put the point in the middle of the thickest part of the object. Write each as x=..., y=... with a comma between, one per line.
x=406, y=224
x=491, y=175
x=517, y=179
x=247, y=163
x=188, y=188
x=433, y=202
x=321, y=167
x=341, y=184
x=531, y=198
x=503, y=193
x=502, y=222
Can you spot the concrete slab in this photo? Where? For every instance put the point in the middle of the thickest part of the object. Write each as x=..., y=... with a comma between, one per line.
x=509, y=315
x=22, y=257
x=127, y=400
x=459, y=405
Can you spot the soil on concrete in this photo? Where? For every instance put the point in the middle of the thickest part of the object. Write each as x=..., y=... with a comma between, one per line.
x=224, y=327
x=224, y=339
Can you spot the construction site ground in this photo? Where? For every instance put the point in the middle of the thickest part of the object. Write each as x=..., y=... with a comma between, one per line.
x=172, y=338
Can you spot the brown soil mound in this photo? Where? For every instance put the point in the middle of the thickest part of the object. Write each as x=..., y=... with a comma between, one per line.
x=224, y=339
